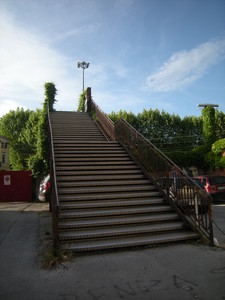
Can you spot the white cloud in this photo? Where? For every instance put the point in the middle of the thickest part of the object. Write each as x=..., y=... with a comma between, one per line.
x=185, y=67
x=26, y=63
x=7, y=105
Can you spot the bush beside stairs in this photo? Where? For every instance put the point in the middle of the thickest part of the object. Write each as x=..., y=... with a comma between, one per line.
x=105, y=199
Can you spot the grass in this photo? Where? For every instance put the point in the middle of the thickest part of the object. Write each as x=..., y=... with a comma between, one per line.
x=49, y=256
x=53, y=257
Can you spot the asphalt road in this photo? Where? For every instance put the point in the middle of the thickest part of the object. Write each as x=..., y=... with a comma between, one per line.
x=219, y=223
x=181, y=271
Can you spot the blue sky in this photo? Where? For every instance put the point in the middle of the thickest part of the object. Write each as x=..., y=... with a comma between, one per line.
x=164, y=54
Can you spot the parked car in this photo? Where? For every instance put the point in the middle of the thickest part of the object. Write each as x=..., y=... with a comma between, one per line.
x=214, y=185
x=44, y=189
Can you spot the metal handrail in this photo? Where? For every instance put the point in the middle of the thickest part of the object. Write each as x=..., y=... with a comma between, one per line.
x=191, y=202
x=54, y=191
x=188, y=198
x=106, y=123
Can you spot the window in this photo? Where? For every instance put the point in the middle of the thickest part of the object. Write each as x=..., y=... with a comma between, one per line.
x=3, y=158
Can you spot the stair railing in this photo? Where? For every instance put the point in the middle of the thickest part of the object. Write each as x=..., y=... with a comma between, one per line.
x=95, y=111
x=190, y=200
x=54, y=202
x=106, y=123
x=187, y=197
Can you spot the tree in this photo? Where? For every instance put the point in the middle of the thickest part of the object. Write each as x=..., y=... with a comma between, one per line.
x=13, y=125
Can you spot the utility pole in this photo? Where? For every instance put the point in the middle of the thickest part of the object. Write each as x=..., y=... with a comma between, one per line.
x=83, y=65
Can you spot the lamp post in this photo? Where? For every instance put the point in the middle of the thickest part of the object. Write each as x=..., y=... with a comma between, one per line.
x=83, y=65
x=208, y=104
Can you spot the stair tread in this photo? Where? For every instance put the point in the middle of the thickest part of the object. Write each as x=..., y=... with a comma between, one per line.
x=102, y=182
x=83, y=213
x=111, y=203
x=96, y=167
x=108, y=196
x=130, y=241
x=104, y=221
x=105, y=189
x=98, y=172
x=118, y=230
x=76, y=178
x=94, y=163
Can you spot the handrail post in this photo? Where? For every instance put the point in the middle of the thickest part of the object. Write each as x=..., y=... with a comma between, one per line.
x=88, y=97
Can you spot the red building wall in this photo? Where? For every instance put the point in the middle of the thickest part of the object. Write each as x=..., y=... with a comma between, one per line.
x=15, y=186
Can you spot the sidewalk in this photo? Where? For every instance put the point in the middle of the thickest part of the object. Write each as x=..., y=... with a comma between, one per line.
x=180, y=271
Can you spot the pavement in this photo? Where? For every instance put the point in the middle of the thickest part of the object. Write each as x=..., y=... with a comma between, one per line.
x=176, y=271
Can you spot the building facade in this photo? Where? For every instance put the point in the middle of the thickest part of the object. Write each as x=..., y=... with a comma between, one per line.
x=4, y=153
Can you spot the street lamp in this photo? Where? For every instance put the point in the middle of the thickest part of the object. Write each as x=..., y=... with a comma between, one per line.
x=208, y=104
x=83, y=65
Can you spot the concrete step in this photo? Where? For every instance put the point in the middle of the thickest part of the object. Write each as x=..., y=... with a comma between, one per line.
x=104, y=196
x=103, y=212
x=93, y=163
x=130, y=241
x=97, y=172
x=93, y=160
x=96, y=167
x=105, y=189
x=116, y=231
x=102, y=183
x=98, y=177
x=111, y=203
x=118, y=220
x=73, y=154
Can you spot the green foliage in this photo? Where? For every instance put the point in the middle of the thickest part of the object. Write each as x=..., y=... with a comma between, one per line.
x=165, y=131
x=217, y=161
x=15, y=126
x=209, y=129
x=220, y=124
x=81, y=103
x=50, y=93
x=218, y=146
x=27, y=131
x=39, y=162
x=180, y=139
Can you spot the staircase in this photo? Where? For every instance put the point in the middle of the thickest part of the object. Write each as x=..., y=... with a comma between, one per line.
x=105, y=199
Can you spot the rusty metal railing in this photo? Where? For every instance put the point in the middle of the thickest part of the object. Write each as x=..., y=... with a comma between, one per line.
x=184, y=193
x=54, y=193
x=106, y=123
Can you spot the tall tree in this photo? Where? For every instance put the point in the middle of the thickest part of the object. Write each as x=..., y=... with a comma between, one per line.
x=13, y=126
